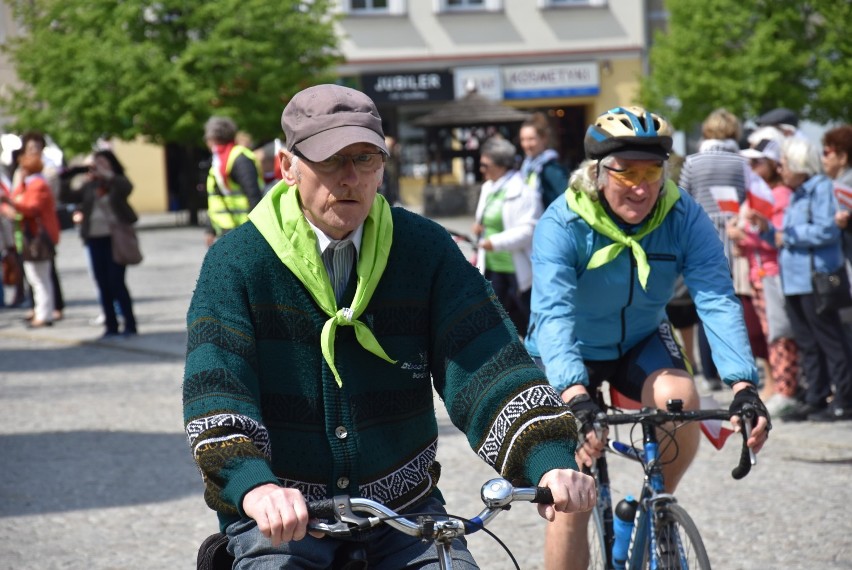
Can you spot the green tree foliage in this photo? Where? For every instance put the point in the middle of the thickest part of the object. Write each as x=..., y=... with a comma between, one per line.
x=159, y=69
x=751, y=56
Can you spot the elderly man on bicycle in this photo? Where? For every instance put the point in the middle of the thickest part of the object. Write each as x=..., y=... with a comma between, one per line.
x=317, y=333
x=605, y=260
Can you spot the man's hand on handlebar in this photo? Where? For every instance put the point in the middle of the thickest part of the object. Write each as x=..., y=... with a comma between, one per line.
x=593, y=438
x=281, y=513
x=746, y=400
x=572, y=492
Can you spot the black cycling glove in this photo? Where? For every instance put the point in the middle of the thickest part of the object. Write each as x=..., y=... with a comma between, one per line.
x=585, y=410
x=748, y=398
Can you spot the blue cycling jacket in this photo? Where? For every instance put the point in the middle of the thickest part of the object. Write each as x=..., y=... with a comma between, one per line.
x=599, y=314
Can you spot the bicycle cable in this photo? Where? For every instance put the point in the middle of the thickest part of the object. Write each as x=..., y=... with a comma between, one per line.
x=477, y=525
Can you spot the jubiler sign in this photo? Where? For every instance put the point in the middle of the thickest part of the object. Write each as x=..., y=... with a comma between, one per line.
x=550, y=80
x=409, y=87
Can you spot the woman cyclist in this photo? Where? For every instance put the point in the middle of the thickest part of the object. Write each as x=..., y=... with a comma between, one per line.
x=605, y=260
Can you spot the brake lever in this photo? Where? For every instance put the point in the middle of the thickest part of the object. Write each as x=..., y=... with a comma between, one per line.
x=599, y=425
x=747, y=456
x=341, y=509
x=752, y=456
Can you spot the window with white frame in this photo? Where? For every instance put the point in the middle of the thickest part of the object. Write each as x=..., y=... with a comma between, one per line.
x=373, y=6
x=368, y=5
x=467, y=5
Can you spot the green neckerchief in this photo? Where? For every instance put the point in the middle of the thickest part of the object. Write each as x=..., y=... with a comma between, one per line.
x=592, y=211
x=280, y=220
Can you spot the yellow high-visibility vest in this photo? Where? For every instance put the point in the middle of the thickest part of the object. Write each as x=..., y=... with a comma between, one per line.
x=228, y=207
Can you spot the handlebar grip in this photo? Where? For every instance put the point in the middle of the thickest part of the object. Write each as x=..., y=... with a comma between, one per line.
x=543, y=496
x=746, y=455
x=322, y=509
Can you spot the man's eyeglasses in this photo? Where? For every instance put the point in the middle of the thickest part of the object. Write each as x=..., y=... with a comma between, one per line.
x=363, y=162
x=634, y=176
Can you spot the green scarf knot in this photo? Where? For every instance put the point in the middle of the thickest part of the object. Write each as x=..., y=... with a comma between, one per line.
x=592, y=211
x=280, y=220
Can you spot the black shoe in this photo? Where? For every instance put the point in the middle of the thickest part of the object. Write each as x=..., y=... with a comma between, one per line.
x=800, y=412
x=831, y=414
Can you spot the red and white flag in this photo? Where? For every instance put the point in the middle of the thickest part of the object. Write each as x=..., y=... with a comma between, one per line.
x=717, y=431
x=726, y=197
x=844, y=195
x=759, y=196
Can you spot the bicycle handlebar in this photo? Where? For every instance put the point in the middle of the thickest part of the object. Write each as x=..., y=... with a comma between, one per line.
x=497, y=495
x=657, y=417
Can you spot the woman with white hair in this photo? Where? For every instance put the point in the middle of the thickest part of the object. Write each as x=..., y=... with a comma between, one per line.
x=809, y=241
x=506, y=215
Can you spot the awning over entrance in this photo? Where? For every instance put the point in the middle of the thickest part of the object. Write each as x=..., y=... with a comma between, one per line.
x=473, y=113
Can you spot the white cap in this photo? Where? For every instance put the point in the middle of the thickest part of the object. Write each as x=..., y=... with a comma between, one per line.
x=766, y=148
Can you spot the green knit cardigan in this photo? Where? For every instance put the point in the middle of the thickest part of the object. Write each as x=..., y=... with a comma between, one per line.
x=261, y=405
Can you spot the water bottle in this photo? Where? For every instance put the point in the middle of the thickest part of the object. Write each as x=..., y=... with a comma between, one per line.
x=622, y=525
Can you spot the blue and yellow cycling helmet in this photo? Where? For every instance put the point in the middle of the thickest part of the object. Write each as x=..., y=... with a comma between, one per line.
x=629, y=132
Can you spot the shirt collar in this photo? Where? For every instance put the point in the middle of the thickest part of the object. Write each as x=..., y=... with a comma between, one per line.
x=323, y=241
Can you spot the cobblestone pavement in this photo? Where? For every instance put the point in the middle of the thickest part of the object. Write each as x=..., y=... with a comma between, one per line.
x=96, y=473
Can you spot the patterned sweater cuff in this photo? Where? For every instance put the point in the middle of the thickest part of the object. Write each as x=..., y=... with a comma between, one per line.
x=244, y=477
x=549, y=456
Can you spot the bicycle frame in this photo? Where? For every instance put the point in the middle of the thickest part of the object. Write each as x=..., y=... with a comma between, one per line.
x=644, y=538
x=653, y=491
x=654, y=501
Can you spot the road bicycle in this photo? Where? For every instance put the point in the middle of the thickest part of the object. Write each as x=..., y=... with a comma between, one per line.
x=664, y=536
x=497, y=495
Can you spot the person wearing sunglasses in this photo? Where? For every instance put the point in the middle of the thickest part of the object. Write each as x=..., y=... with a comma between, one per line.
x=606, y=257
x=319, y=332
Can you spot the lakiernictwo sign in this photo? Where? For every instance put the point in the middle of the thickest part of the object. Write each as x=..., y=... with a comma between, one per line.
x=409, y=87
x=550, y=80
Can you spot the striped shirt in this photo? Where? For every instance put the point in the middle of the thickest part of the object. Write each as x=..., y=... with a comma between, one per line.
x=338, y=257
x=713, y=169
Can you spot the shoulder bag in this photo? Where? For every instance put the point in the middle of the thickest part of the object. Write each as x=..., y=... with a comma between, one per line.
x=831, y=290
x=125, y=244
x=11, y=270
x=38, y=247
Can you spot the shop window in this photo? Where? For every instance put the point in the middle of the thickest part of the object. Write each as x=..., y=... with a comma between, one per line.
x=368, y=7
x=443, y=6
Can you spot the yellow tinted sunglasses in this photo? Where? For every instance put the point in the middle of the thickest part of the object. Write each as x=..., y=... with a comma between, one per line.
x=635, y=176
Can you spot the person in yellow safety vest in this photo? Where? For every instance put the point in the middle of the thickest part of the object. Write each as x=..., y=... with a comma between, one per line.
x=234, y=182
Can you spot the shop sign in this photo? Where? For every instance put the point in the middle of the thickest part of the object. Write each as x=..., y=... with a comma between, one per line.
x=409, y=87
x=487, y=81
x=550, y=80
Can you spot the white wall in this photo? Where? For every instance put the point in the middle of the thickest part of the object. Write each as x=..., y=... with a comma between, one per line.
x=521, y=32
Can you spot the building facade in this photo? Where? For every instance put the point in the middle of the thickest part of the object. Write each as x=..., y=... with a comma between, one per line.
x=569, y=59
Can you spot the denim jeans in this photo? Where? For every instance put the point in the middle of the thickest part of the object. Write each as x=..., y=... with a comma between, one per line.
x=110, y=279
x=386, y=548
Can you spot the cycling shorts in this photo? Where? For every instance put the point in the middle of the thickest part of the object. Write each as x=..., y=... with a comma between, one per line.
x=628, y=373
